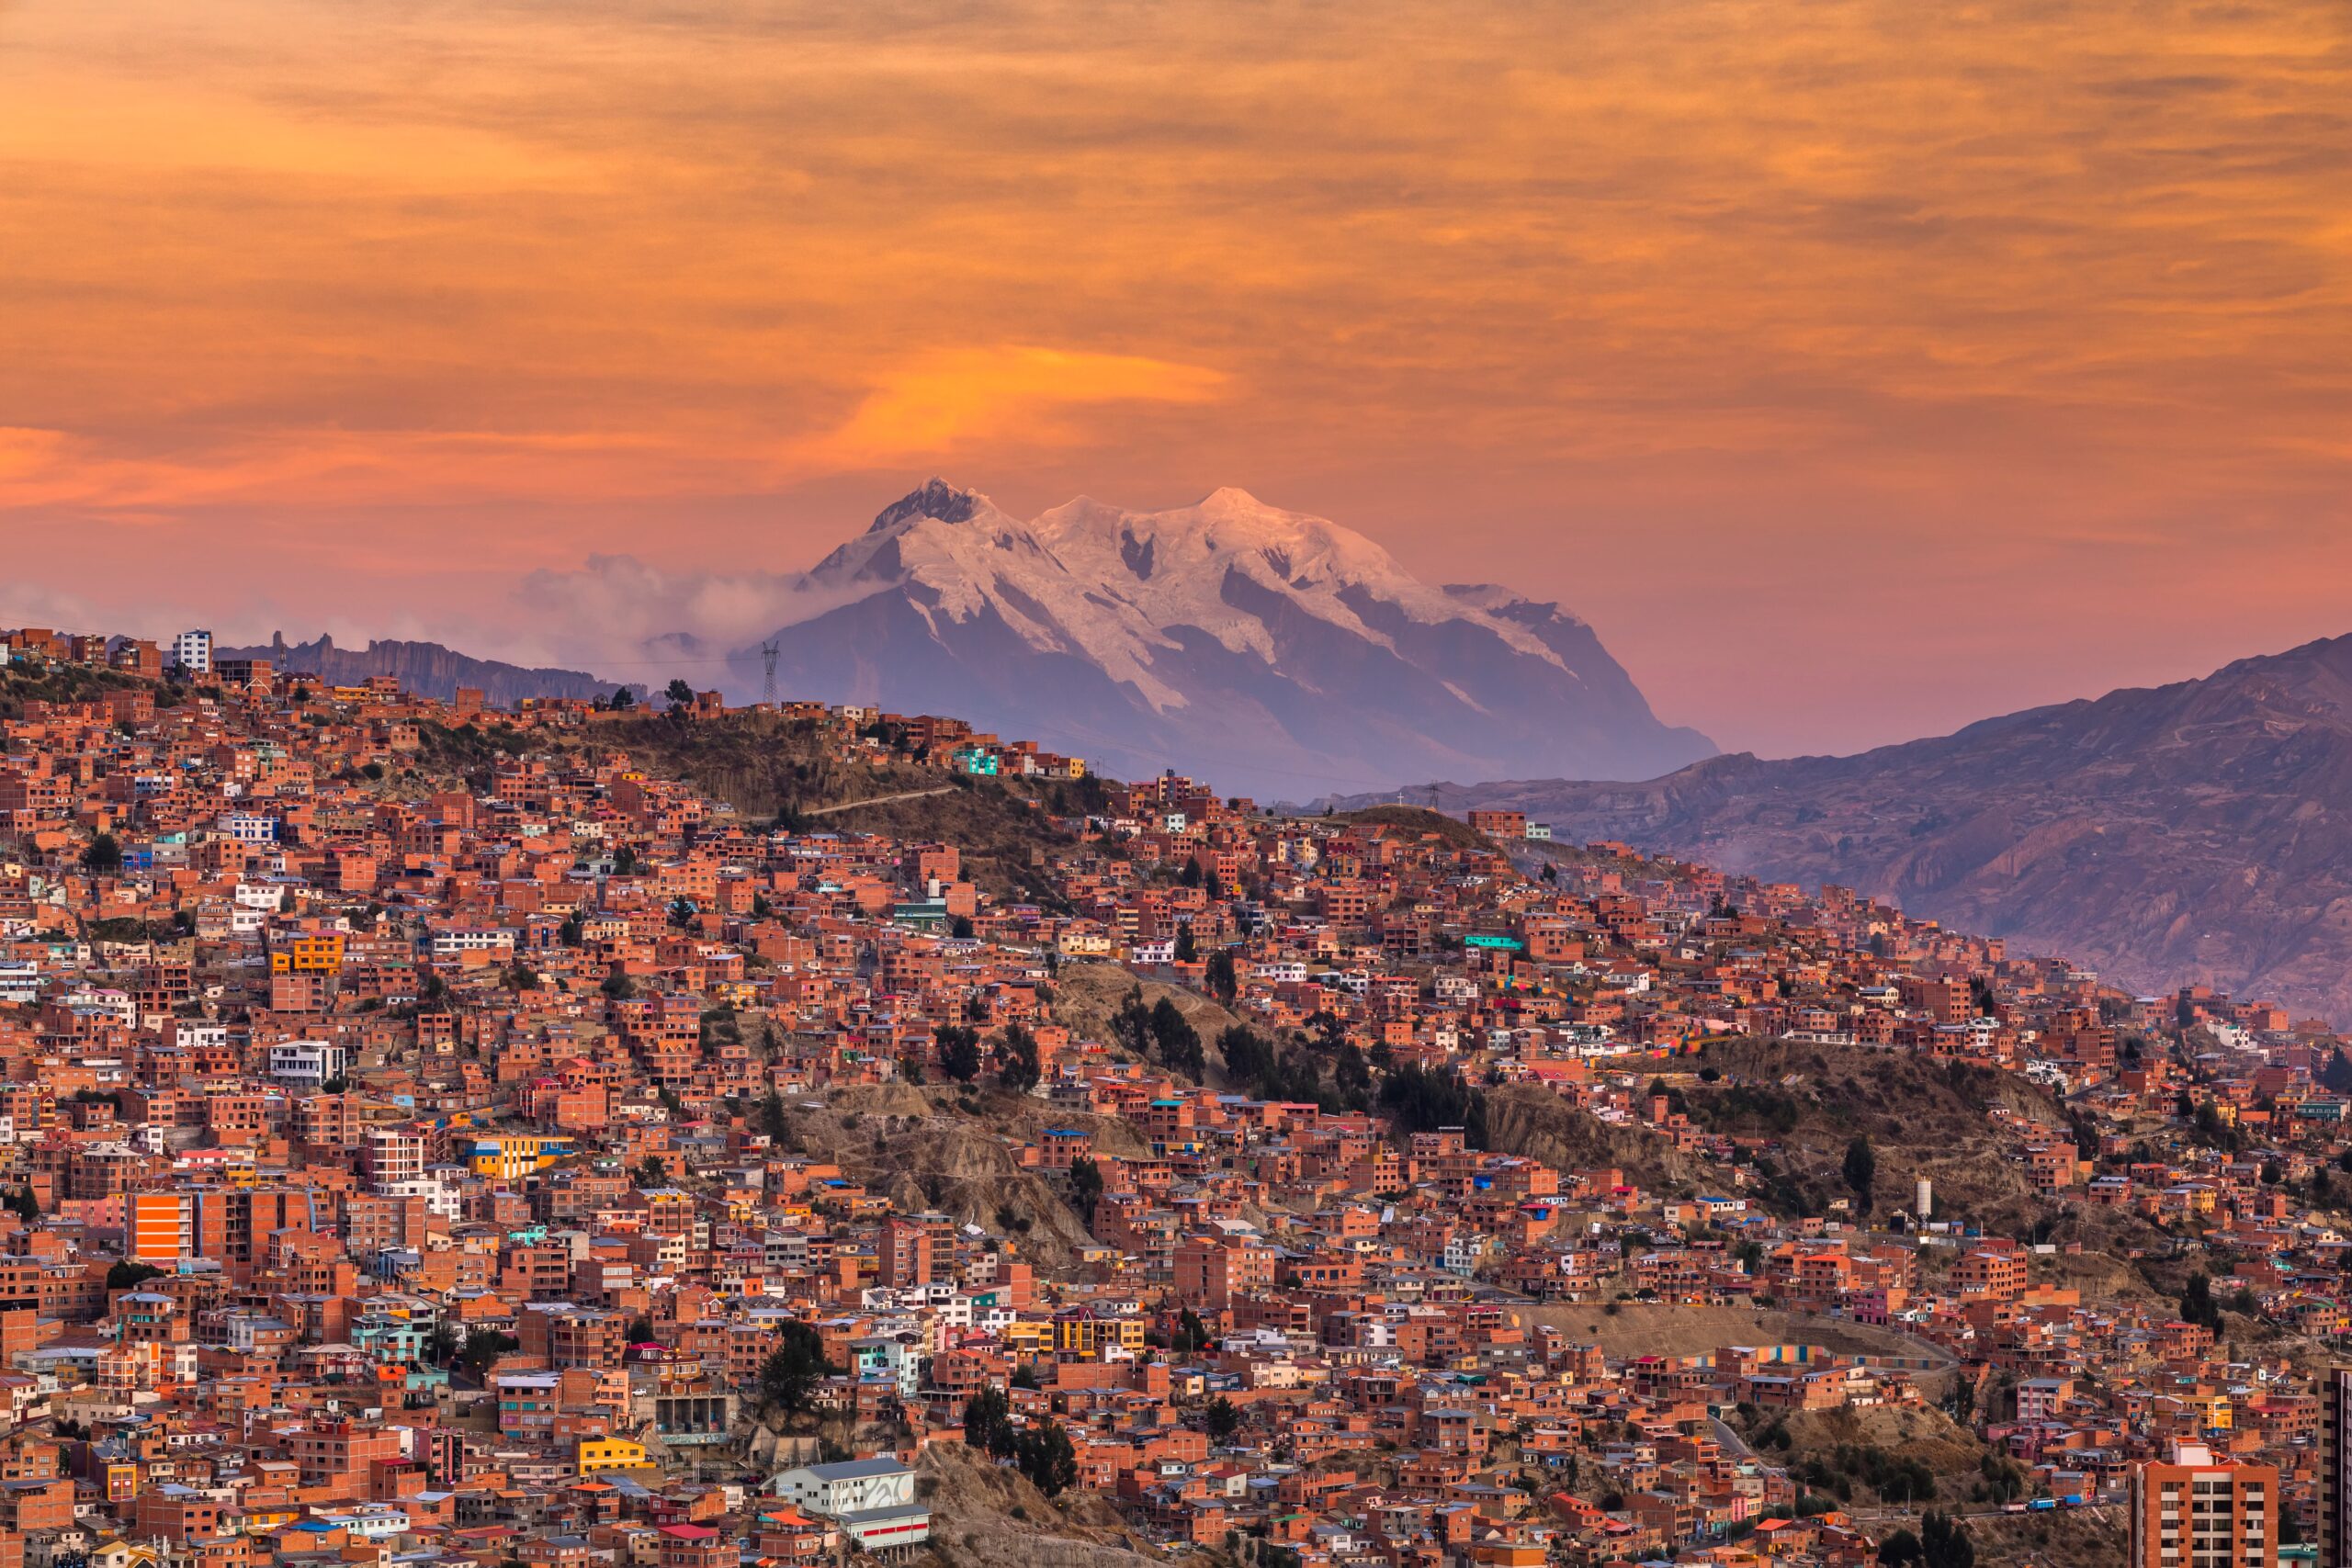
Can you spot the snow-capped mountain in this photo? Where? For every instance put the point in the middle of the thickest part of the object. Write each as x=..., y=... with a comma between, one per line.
x=1269, y=651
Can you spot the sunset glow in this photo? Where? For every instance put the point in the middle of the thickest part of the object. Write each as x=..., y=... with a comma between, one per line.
x=1745, y=330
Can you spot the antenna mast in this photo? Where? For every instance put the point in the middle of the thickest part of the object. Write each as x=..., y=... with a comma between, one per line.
x=768, y=650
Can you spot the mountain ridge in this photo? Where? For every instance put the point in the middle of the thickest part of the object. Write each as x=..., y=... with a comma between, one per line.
x=1294, y=650
x=2197, y=831
x=430, y=669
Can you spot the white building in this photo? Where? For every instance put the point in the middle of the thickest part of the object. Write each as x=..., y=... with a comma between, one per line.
x=460, y=940
x=307, y=1061
x=872, y=1499
x=192, y=652
x=249, y=827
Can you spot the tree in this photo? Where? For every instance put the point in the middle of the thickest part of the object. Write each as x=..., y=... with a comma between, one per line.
x=681, y=695
x=1899, y=1549
x=129, y=1276
x=1178, y=1043
x=1249, y=1056
x=520, y=977
x=1223, y=983
x=1944, y=1543
x=1223, y=1419
x=1191, y=1334
x=1085, y=1185
x=482, y=1348
x=639, y=1330
x=1017, y=1060
x=1421, y=1101
x=1352, y=1075
x=1046, y=1457
x=651, y=1173
x=987, y=1423
x=1861, y=1171
x=1185, y=948
x=682, y=911
x=618, y=987
x=572, y=932
x=788, y=1378
x=625, y=861
x=2197, y=1303
x=23, y=1204
x=1131, y=1024
x=773, y=1121
x=959, y=1051
x=104, y=857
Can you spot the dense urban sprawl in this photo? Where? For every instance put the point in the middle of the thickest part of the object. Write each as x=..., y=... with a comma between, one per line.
x=434, y=1133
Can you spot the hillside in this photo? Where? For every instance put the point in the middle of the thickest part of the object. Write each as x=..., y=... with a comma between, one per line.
x=2199, y=831
x=1087, y=995
x=763, y=765
x=1805, y=1104
x=943, y=1147
x=985, y=1515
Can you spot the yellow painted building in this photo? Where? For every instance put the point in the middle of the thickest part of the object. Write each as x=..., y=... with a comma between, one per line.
x=312, y=952
x=595, y=1454
x=510, y=1155
x=1090, y=1336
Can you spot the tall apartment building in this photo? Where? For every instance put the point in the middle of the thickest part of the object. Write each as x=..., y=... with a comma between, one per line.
x=192, y=653
x=2335, y=1468
x=391, y=1158
x=2191, y=1510
x=159, y=1227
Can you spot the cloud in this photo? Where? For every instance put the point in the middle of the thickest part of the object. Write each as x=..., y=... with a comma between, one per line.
x=57, y=468
x=1562, y=294
x=630, y=621
x=964, y=398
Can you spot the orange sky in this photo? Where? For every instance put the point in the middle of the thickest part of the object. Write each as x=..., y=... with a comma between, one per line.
x=1858, y=367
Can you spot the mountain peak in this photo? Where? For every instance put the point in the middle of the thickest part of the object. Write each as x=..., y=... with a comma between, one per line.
x=1231, y=498
x=935, y=499
x=1289, y=647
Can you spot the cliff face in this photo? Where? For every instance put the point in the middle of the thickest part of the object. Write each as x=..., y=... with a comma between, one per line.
x=2201, y=832
x=427, y=668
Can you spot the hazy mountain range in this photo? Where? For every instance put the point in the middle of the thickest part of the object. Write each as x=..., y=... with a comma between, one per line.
x=428, y=669
x=1276, y=653
x=2195, y=831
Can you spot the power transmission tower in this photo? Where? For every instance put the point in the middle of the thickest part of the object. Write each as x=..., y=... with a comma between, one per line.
x=768, y=650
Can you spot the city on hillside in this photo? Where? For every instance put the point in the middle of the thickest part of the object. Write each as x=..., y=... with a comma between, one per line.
x=439, y=1133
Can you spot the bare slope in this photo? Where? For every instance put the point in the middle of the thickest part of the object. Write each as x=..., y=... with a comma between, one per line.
x=2201, y=832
